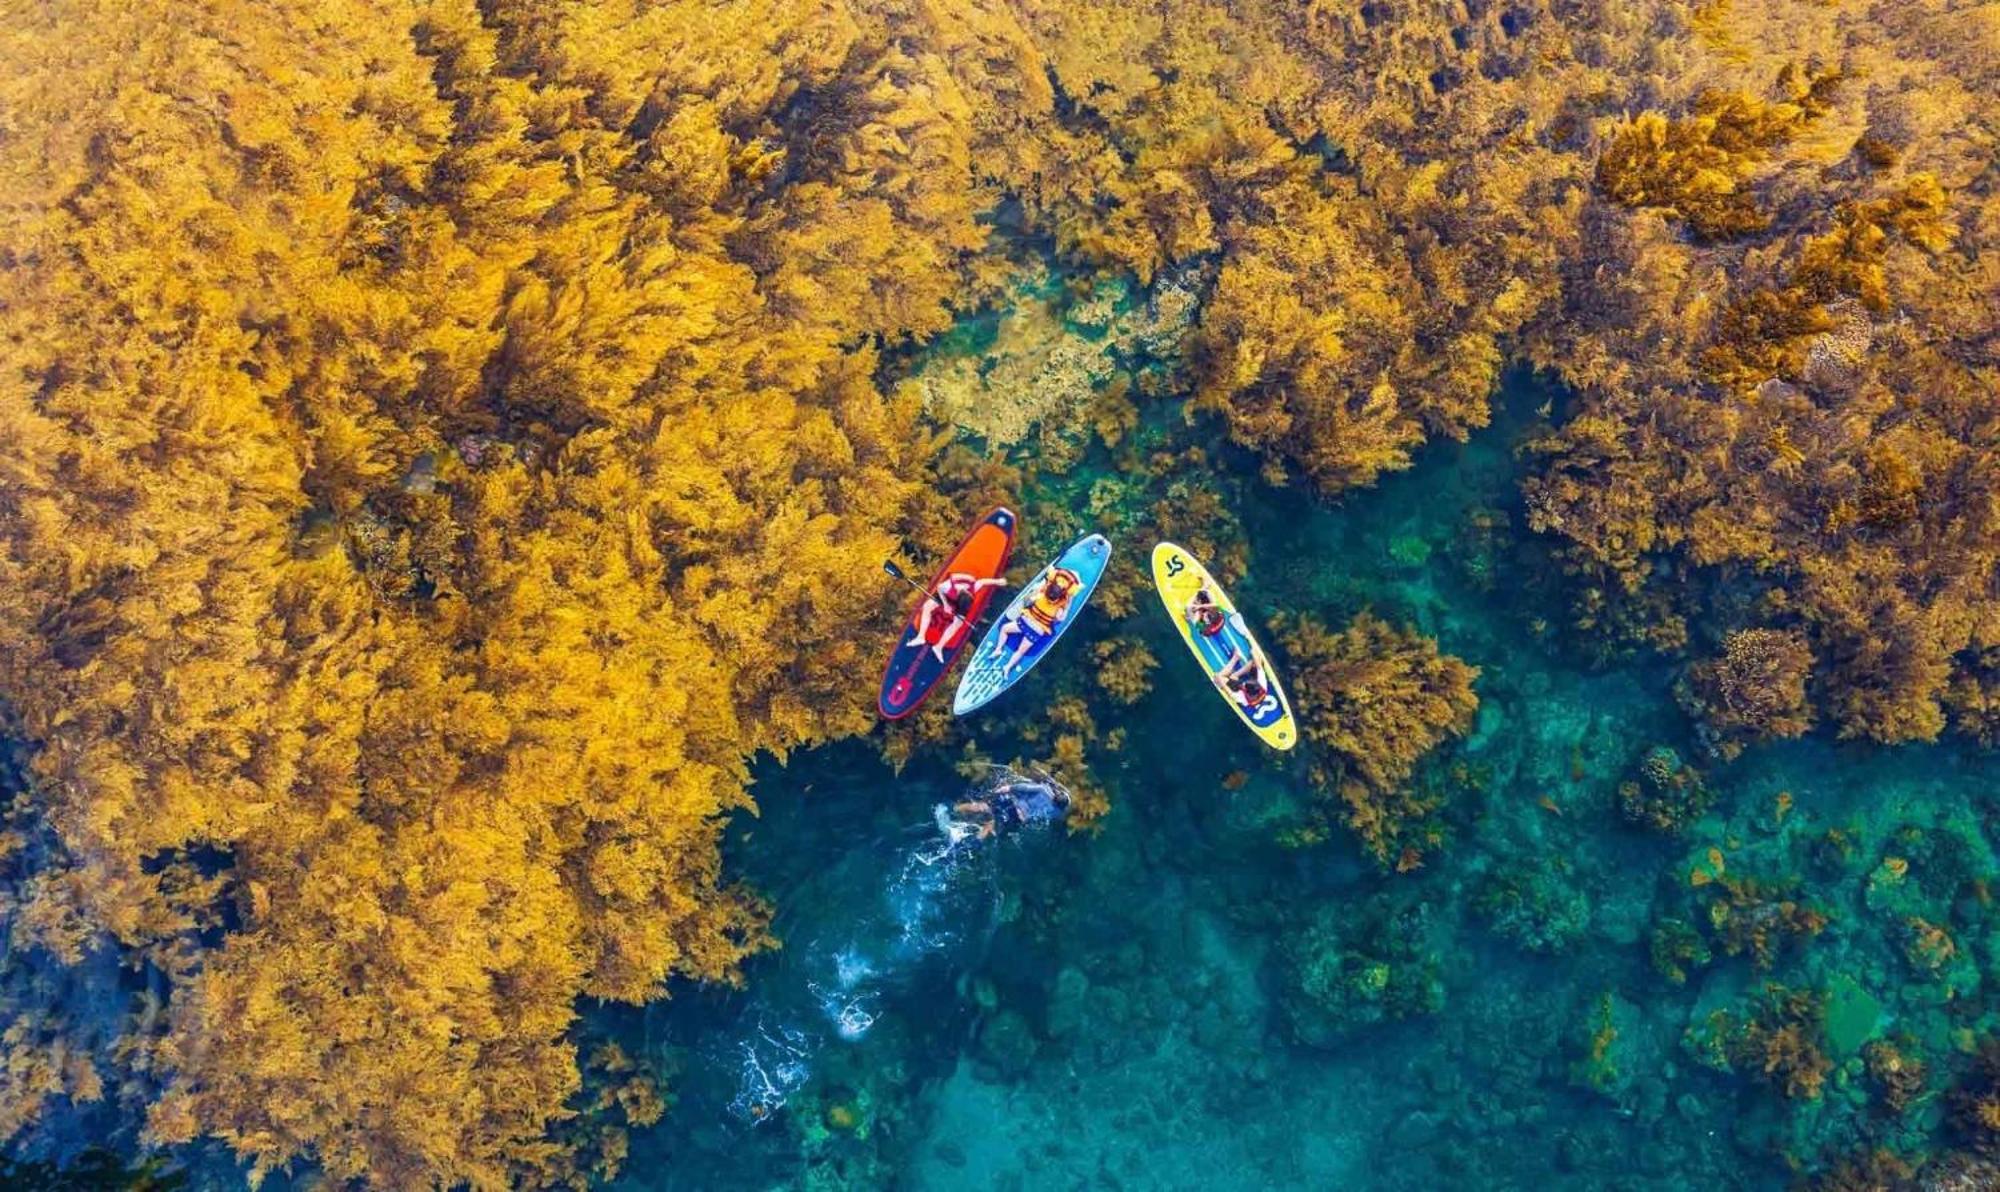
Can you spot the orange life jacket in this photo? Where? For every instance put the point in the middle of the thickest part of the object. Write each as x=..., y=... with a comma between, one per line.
x=1045, y=610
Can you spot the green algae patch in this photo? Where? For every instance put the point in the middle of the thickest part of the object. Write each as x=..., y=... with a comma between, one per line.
x=1853, y=1017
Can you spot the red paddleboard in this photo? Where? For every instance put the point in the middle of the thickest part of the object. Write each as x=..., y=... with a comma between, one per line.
x=914, y=670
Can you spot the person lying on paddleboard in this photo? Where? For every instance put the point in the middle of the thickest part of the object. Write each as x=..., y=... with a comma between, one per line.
x=1018, y=803
x=1210, y=619
x=1243, y=681
x=1036, y=623
x=952, y=599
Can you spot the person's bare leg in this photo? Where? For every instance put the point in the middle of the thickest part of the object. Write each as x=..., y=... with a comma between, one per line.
x=1020, y=652
x=1007, y=629
x=937, y=647
x=923, y=623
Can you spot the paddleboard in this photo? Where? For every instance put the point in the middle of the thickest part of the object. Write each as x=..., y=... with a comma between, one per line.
x=989, y=672
x=1179, y=575
x=914, y=671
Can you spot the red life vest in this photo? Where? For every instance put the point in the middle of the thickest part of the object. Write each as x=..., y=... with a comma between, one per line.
x=956, y=593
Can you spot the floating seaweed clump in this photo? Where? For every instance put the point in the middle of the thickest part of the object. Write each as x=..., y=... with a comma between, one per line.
x=1696, y=168
x=1374, y=700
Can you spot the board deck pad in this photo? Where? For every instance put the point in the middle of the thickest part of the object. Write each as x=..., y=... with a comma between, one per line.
x=913, y=672
x=987, y=674
x=1179, y=575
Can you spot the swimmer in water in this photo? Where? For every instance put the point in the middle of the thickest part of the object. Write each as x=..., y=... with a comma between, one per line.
x=1016, y=803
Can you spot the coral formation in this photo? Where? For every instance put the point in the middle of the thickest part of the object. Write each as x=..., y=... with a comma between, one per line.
x=1895, y=1072
x=1667, y=796
x=1054, y=360
x=1974, y=1103
x=1755, y=690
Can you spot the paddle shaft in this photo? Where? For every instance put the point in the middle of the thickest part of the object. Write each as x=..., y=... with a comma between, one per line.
x=889, y=565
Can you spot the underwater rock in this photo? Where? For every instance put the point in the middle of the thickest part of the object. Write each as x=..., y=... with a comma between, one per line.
x=1486, y=725
x=1006, y=1046
x=1416, y=1132
x=843, y=1115
x=1677, y=950
x=983, y=993
x=1607, y=1064
x=1068, y=1003
x=1535, y=905
x=1354, y=967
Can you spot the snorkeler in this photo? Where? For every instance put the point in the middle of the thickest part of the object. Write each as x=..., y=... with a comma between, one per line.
x=952, y=599
x=1016, y=803
x=1036, y=623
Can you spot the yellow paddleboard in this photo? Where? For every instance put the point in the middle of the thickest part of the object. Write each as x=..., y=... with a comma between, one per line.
x=1222, y=642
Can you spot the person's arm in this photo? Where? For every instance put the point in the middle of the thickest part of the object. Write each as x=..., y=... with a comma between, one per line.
x=974, y=809
x=998, y=581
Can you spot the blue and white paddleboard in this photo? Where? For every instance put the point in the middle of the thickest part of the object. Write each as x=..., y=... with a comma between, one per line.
x=993, y=669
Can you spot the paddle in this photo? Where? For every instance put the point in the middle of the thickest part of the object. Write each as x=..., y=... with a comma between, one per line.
x=889, y=565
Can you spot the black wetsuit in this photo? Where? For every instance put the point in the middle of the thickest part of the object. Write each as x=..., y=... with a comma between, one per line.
x=1024, y=803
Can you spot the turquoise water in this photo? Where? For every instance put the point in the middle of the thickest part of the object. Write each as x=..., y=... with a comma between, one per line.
x=1161, y=1005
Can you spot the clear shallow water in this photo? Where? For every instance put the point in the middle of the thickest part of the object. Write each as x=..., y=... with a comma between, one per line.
x=1123, y=1010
